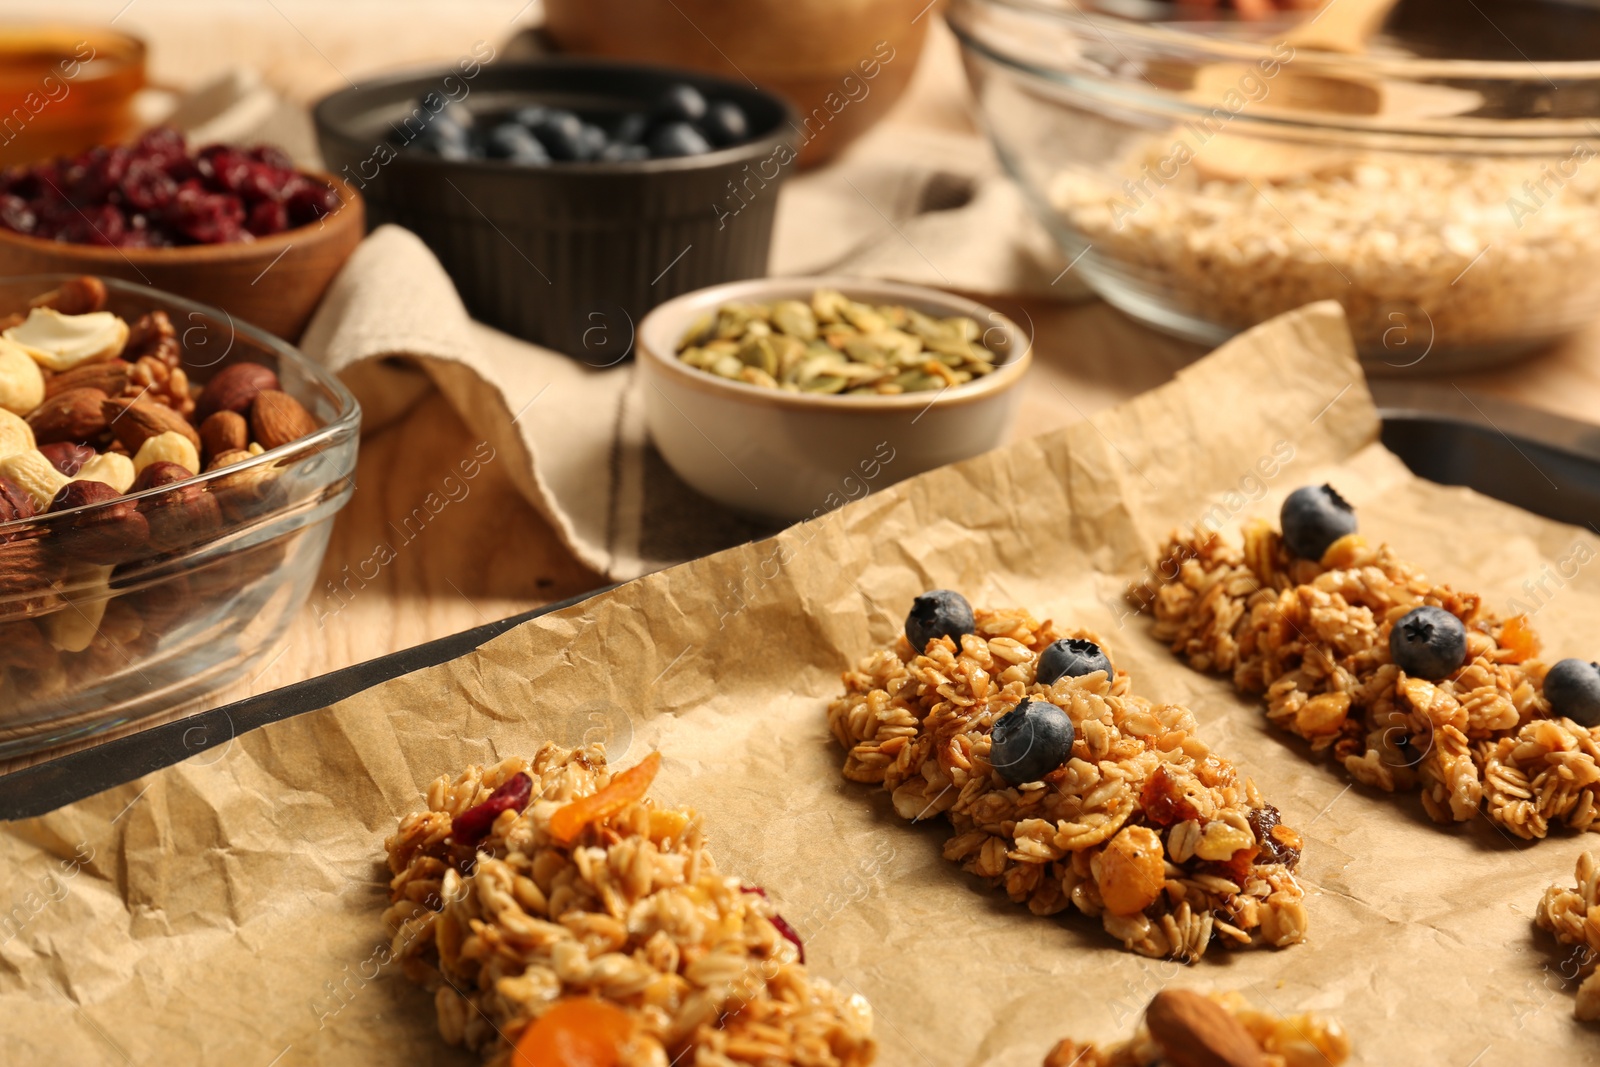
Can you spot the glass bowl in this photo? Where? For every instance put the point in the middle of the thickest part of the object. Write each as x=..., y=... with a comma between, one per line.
x=99, y=627
x=1205, y=176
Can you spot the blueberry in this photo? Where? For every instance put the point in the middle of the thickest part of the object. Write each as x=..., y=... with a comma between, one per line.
x=632, y=128
x=938, y=613
x=725, y=124
x=444, y=137
x=1313, y=518
x=561, y=133
x=616, y=152
x=682, y=103
x=1071, y=657
x=1429, y=643
x=513, y=142
x=677, y=139
x=592, y=141
x=1030, y=741
x=531, y=115
x=1573, y=689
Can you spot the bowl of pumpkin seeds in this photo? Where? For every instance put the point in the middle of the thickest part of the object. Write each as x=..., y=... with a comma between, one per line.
x=784, y=398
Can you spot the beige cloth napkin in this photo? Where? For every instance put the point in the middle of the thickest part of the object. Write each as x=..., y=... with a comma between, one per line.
x=910, y=201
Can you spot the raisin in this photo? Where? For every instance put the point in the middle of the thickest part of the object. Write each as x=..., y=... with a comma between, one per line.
x=1278, y=844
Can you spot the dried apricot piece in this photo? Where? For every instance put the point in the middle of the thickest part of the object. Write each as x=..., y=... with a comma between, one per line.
x=575, y=1032
x=626, y=788
x=1131, y=871
x=1518, y=638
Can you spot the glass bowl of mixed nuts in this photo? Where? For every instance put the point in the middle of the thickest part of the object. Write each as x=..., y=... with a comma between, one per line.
x=785, y=398
x=1205, y=174
x=168, y=481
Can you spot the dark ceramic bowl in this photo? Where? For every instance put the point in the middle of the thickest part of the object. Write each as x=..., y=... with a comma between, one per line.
x=568, y=255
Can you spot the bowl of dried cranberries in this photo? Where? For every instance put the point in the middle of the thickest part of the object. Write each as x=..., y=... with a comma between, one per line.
x=237, y=227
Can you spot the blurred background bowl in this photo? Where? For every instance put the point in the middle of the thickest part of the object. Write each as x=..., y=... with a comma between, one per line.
x=65, y=88
x=273, y=283
x=804, y=50
x=1203, y=180
x=568, y=255
x=169, y=626
x=789, y=456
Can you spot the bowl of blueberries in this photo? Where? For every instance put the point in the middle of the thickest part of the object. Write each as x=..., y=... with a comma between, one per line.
x=567, y=197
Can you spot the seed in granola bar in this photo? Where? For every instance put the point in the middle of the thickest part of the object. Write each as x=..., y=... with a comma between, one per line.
x=1314, y=517
x=1071, y=657
x=1030, y=741
x=1573, y=688
x=1428, y=642
x=938, y=613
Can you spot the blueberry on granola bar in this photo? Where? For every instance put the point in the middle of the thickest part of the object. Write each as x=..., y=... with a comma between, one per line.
x=1071, y=657
x=938, y=613
x=1314, y=517
x=1573, y=688
x=1030, y=741
x=1428, y=642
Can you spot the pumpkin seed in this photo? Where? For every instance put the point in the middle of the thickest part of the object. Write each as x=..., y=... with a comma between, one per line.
x=833, y=344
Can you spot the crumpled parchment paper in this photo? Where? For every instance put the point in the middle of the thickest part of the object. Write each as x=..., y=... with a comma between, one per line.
x=226, y=910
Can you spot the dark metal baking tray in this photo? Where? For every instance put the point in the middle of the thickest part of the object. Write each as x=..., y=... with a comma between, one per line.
x=1541, y=462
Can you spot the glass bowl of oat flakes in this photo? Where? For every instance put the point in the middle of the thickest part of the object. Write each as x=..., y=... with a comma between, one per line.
x=1205, y=173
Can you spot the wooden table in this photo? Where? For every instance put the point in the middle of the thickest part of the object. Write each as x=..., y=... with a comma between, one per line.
x=492, y=555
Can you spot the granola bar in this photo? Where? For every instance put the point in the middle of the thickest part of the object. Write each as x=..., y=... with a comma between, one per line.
x=1141, y=825
x=1185, y=1027
x=1312, y=637
x=1573, y=916
x=548, y=900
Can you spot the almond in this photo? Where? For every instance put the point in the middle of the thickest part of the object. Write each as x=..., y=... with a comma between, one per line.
x=111, y=531
x=73, y=415
x=15, y=503
x=136, y=421
x=110, y=377
x=1196, y=1031
x=234, y=389
x=225, y=431
x=278, y=418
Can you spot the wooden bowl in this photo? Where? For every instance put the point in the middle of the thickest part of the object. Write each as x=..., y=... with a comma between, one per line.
x=803, y=50
x=272, y=282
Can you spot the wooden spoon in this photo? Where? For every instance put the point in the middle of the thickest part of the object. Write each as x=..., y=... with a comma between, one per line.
x=1339, y=26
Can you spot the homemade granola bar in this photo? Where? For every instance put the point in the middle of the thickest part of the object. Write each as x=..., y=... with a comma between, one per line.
x=547, y=900
x=1573, y=916
x=1314, y=635
x=1223, y=1030
x=1137, y=823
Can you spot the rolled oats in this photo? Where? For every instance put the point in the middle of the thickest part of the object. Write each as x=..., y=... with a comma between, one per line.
x=1091, y=835
x=1421, y=249
x=1573, y=916
x=633, y=911
x=1312, y=638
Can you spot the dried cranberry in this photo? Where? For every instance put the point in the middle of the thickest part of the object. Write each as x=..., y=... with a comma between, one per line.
x=309, y=201
x=206, y=217
x=267, y=217
x=272, y=156
x=779, y=922
x=94, y=225
x=160, y=145
x=15, y=214
x=89, y=179
x=474, y=824
x=147, y=186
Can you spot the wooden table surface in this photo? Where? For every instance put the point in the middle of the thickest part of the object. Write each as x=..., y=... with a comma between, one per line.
x=492, y=555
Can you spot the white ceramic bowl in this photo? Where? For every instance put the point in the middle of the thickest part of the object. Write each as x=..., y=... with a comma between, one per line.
x=791, y=456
